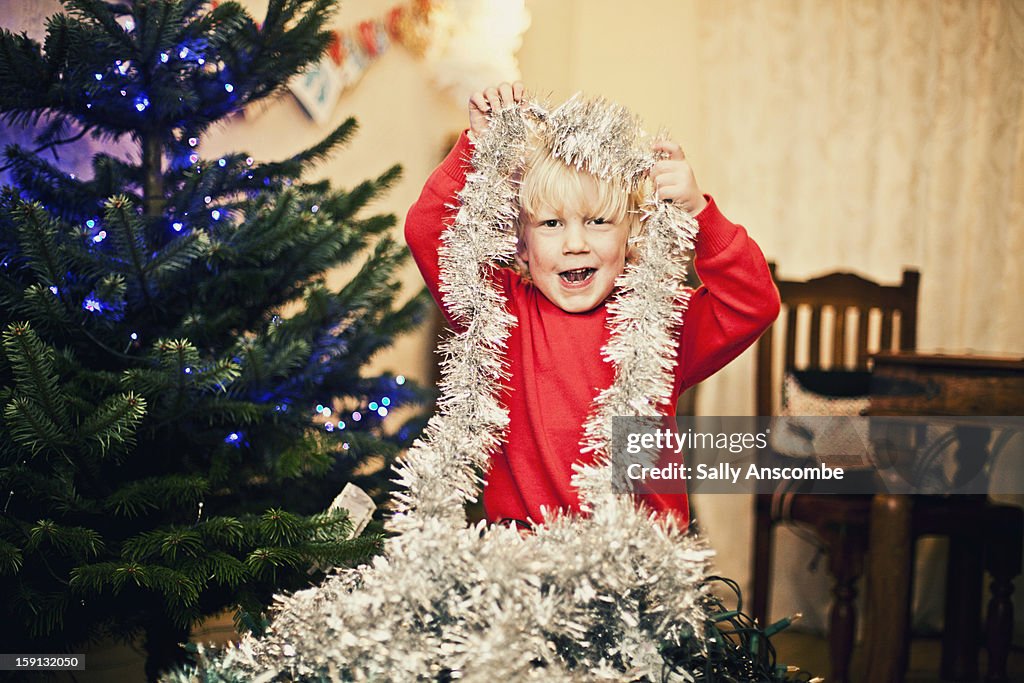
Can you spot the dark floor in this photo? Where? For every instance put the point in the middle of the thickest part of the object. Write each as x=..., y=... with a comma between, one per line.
x=810, y=653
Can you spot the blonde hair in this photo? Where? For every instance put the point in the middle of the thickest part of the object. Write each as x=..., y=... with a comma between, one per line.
x=550, y=182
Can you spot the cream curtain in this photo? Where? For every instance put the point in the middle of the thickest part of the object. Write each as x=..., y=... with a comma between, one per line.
x=875, y=134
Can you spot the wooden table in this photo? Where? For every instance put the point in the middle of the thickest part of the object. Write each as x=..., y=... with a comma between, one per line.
x=909, y=383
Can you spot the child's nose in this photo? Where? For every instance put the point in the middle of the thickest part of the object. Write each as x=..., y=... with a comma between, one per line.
x=575, y=238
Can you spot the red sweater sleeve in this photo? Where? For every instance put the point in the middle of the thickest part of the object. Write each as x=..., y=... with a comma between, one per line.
x=433, y=211
x=736, y=302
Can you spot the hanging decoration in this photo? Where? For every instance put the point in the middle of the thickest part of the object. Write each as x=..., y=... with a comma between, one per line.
x=465, y=44
x=474, y=44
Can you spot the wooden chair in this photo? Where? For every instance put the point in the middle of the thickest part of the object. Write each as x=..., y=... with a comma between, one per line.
x=832, y=322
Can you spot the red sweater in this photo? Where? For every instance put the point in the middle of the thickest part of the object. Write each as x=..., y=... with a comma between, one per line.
x=554, y=357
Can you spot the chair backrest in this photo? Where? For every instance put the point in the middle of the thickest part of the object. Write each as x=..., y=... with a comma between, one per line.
x=833, y=322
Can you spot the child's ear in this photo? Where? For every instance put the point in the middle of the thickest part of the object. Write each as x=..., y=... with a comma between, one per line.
x=521, y=265
x=521, y=250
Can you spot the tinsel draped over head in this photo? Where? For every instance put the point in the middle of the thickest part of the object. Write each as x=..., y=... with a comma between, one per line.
x=600, y=596
x=646, y=311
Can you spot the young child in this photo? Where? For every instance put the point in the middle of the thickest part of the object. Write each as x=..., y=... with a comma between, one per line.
x=573, y=244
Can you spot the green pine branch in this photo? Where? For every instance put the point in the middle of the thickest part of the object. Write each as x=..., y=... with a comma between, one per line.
x=39, y=239
x=112, y=426
x=32, y=364
x=79, y=542
x=175, y=491
x=127, y=231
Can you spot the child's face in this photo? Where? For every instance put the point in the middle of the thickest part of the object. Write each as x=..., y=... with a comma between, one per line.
x=574, y=256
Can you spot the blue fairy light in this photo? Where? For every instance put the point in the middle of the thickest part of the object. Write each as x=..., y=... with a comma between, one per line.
x=91, y=223
x=215, y=215
x=341, y=424
x=141, y=103
x=229, y=87
x=200, y=61
x=98, y=77
x=100, y=236
x=177, y=226
x=183, y=53
x=92, y=305
x=222, y=162
x=122, y=67
x=400, y=380
x=233, y=438
x=164, y=57
x=373, y=405
x=207, y=199
x=188, y=371
x=53, y=288
x=382, y=411
x=385, y=401
x=314, y=208
x=329, y=426
x=319, y=408
x=134, y=336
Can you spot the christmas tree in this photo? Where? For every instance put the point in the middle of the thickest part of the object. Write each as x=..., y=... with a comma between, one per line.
x=169, y=441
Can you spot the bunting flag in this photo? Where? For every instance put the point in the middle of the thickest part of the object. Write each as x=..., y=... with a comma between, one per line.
x=353, y=50
x=465, y=44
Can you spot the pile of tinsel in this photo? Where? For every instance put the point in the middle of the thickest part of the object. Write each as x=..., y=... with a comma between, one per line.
x=614, y=595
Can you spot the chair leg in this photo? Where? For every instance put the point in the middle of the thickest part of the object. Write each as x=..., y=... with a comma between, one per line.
x=846, y=563
x=1000, y=629
x=963, y=605
x=1004, y=563
x=762, y=569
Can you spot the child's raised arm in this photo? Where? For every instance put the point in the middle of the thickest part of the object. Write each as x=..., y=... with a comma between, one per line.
x=738, y=299
x=432, y=212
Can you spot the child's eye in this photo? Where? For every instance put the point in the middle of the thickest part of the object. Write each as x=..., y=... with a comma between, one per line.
x=550, y=223
x=600, y=221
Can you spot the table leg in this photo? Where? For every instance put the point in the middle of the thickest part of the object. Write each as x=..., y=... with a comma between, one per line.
x=890, y=565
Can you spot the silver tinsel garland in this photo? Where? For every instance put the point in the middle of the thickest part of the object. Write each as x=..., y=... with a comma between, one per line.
x=599, y=596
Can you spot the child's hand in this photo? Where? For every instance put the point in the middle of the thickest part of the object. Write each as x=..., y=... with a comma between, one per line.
x=674, y=181
x=483, y=103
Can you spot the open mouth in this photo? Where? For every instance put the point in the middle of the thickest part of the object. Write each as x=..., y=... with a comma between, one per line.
x=578, y=276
